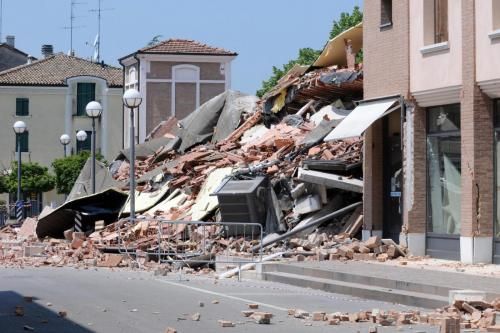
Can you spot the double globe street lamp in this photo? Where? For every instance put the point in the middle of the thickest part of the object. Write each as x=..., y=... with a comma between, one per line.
x=132, y=99
x=19, y=128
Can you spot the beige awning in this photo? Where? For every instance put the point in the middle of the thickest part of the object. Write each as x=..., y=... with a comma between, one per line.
x=358, y=121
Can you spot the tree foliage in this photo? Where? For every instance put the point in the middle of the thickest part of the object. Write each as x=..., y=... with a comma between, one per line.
x=307, y=55
x=34, y=178
x=346, y=21
x=68, y=169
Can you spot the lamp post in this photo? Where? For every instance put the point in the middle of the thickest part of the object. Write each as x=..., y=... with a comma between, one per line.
x=81, y=136
x=94, y=110
x=132, y=99
x=19, y=128
x=65, y=140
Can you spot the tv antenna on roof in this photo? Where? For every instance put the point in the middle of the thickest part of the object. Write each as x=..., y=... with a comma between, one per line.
x=72, y=25
x=97, y=42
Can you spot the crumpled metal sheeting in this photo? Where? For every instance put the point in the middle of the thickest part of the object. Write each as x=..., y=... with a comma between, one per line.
x=339, y=77
x=83, y=187
x=236, y=104
x=100, y=206
x=144, y=150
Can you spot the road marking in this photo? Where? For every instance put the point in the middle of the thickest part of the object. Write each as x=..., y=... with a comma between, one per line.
x=223, y=295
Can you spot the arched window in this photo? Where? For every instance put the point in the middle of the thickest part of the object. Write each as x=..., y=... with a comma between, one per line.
x=132, y=75
x=185, y=90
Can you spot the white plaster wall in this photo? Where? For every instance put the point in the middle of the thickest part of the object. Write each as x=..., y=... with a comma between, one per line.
x=437, y=70
x=487, y=50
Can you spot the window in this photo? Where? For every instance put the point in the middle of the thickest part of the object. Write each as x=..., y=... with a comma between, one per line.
x=85, y=93
x=24, y=141
x=84, y=145
x=385, y=13
x=443, y=170
x=496, y=14
x=435, y=21
x=22, y=107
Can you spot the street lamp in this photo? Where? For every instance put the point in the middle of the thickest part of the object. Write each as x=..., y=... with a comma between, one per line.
x=65, y=140
x=132, y=99
x=94, y=110
x=81, y=136
x=19, y=128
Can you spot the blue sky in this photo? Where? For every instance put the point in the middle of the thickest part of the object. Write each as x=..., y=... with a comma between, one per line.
x=264, y=33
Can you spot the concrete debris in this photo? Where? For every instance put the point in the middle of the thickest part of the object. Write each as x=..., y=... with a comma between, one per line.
x=461, y=315
x=226, y=323
x=181, y=168
x=196, y=316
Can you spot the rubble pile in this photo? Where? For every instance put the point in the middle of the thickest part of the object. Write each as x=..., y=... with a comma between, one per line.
x=272, y=146
x=323, y=246
x=453, y=318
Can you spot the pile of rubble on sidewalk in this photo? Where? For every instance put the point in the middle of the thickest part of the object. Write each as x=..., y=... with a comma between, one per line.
x=234, y=159
x=452, y=319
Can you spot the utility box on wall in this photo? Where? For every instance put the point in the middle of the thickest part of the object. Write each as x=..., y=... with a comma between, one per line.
x=243, y=201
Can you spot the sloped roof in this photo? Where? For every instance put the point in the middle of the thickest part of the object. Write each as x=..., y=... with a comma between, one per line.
x=7, y=46
x=54, y=70
x=185, y=46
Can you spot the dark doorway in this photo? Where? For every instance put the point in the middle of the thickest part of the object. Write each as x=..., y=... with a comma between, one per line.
x=393, y=176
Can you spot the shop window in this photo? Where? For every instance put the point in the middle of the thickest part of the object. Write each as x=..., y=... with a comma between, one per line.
x=435, y=21
x=85, y=93
x=85, y=145
x=443, y=167
x=385, y=13
x=496, y=14
x=22, y=107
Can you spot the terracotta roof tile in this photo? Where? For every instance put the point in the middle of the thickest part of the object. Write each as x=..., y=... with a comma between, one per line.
x=185, y=46
x=54, y=70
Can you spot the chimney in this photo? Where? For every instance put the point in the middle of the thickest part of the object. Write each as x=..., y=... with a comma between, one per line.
x=30, y=59
x=10, y=40
x=47, y=50
x=350, y=55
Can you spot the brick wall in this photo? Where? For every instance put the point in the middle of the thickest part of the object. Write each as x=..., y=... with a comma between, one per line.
x=373, y=176
x=386, y=50
x=414, y=215
x=477, y=139
x=386, y=72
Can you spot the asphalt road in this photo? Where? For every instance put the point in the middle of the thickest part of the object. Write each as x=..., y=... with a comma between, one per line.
x=124, y=301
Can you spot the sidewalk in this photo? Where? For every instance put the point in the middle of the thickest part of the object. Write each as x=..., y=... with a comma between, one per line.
x=424, y=283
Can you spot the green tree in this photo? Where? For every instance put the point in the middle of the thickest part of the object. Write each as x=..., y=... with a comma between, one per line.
x=35, y=178
x=346, y=21
x=307, y=55
x=68, y=169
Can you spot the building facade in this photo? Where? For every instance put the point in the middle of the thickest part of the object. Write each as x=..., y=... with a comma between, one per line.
x=175, y=77
x=432, y=158
x=50, y=96
x=10, y=56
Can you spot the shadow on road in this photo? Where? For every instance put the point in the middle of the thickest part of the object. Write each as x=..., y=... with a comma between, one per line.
x=40, y=318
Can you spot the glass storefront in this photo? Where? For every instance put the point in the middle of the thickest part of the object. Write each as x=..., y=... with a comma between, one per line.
x=443, y=170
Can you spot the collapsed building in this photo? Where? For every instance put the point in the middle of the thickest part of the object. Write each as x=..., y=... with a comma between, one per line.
x=240, y=159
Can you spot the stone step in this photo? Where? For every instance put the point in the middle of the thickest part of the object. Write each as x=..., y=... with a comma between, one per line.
x=374, y=292
x=395, y=282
